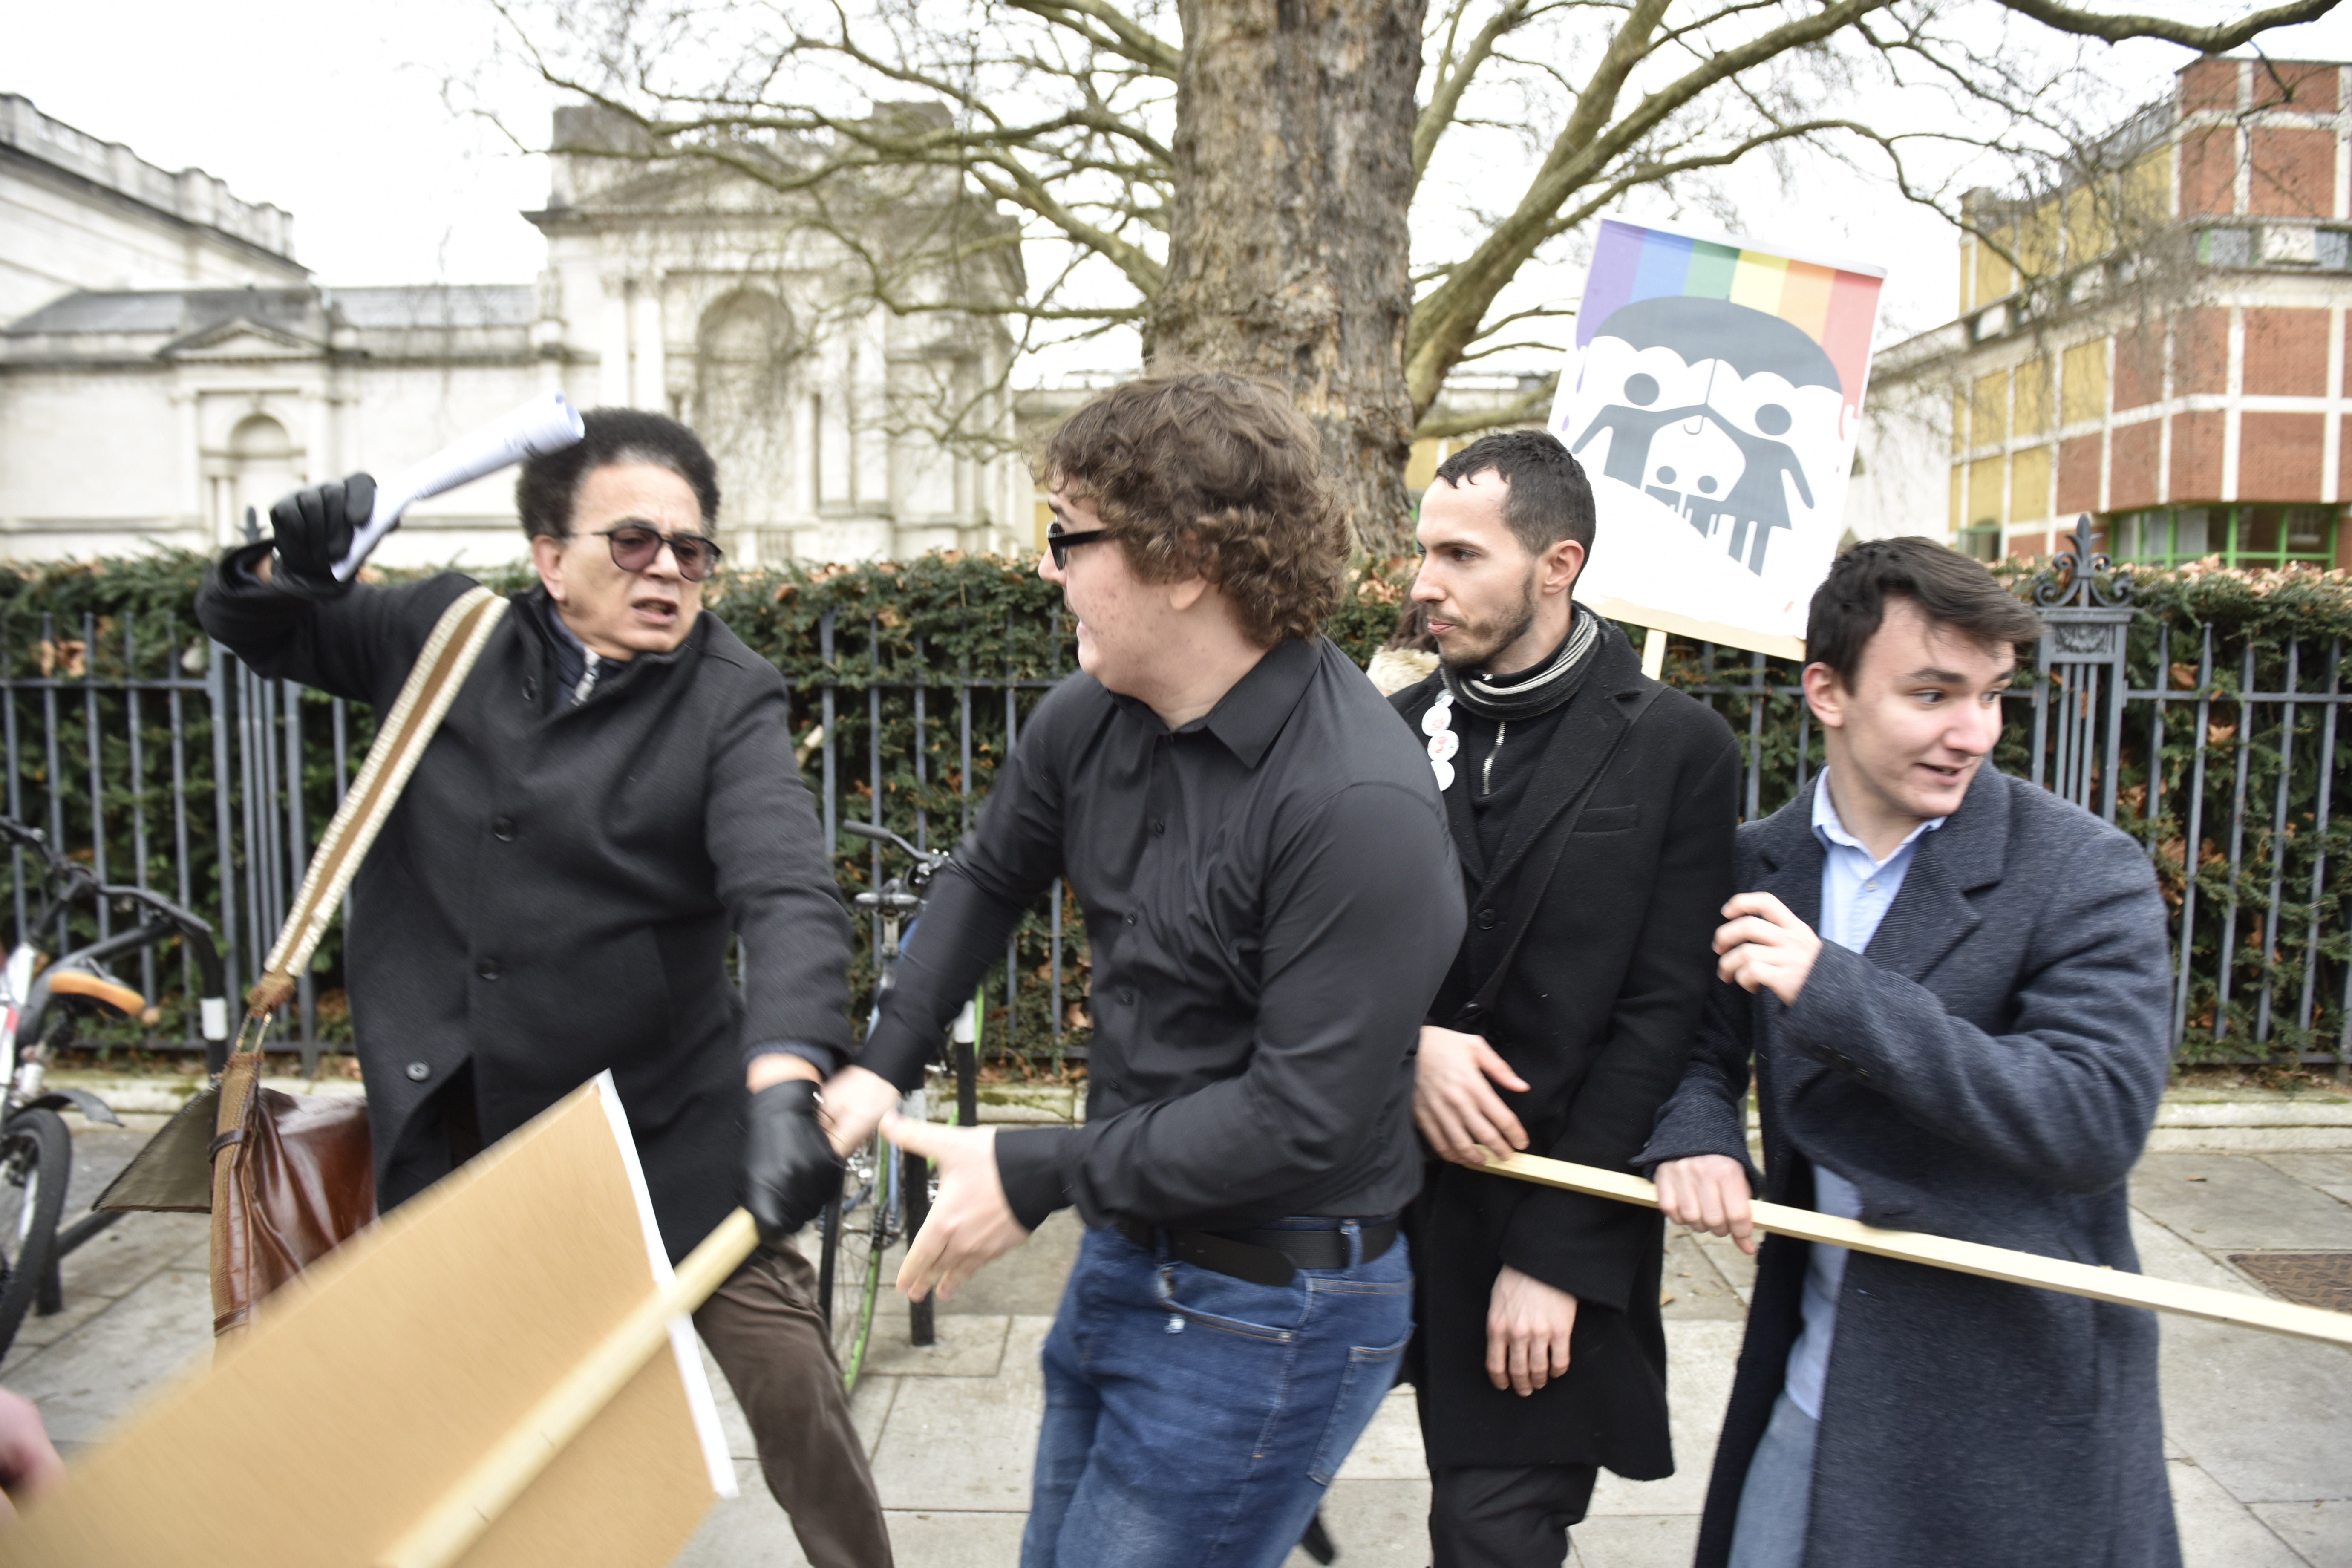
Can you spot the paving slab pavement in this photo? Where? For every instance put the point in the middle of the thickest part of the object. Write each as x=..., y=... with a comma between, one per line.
x=2258, y=1428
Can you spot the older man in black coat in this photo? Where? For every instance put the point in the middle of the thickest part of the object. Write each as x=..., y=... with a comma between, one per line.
x=1953, y=988
x=1592, y=812
x=610, y=802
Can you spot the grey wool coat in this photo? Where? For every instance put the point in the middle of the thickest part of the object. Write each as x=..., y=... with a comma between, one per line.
x=1987, y=1070
x=557, y=891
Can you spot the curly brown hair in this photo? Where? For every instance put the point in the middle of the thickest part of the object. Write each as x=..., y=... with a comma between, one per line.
x=1211, y=474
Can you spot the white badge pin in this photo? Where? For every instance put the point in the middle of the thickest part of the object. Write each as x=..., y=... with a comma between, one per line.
x=1444, y=772
x=1443, y=745
x=1438, y=719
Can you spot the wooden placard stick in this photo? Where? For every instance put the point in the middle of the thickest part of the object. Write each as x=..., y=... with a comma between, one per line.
x=468, y=1509
x=1966, y=1257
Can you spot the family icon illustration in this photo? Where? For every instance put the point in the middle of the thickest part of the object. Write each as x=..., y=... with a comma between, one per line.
x=1714, y=397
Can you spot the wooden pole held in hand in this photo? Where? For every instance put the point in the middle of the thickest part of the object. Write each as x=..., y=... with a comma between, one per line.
x=503, y=1474
x=1965, y=1256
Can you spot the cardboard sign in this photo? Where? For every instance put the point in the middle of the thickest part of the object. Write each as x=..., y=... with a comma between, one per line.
x=367, y=1392
x=1714, y=396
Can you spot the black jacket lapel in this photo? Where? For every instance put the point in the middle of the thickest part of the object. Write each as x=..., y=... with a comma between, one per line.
x=1595, y=716
x=1932, y=913
x=1412, y=703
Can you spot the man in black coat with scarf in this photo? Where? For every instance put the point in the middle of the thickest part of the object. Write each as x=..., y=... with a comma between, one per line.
x=610, y=802
x=1592, y=811
x=1954, y=988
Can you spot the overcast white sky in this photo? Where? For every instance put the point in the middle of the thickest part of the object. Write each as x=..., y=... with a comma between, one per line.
x=335, y=112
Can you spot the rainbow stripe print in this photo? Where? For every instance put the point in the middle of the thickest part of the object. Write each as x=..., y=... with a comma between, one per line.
x=1834, y=305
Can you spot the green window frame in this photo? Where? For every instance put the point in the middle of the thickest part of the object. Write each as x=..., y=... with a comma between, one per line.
x=2269, y=535
x=1980, y=541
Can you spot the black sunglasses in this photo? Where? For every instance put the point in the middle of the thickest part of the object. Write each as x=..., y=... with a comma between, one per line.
x=635, y=547
x=1062, y=543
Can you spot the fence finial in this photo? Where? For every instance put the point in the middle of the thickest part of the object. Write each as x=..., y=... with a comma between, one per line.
x=2078, y=576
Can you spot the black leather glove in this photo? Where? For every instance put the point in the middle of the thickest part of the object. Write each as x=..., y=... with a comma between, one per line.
x=789, y=1171
x=315, y=527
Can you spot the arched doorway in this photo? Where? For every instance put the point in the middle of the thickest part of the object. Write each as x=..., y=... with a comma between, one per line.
x=745, y=353
x=264, y=463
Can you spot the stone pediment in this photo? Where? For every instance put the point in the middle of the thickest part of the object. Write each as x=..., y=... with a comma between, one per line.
x=241, y=339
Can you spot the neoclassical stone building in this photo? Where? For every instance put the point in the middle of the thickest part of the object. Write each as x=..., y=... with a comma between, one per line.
x=167, y=365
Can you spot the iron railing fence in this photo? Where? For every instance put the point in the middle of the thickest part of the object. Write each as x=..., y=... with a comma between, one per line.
x=212, y=783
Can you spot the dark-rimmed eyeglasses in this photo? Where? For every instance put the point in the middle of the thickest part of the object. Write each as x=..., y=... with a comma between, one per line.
x=635, y=547
x=1062, y=543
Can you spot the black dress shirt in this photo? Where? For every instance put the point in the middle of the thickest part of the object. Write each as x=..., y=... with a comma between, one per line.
x=1272, y=900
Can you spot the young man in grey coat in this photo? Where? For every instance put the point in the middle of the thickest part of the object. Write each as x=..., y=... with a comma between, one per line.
x=610, y=802
x=1952, y=987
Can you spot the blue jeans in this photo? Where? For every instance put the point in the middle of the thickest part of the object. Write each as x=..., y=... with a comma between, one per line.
x=1193, y=1418
x=1776, y=1501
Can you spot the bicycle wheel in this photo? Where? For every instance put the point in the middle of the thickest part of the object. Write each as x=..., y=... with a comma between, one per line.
x=36, y=1163
x=857, y=1231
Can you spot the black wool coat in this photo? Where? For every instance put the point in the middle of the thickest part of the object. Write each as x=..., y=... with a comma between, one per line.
x=558, y=889
x=1597, y=1016
x=1988, y=1068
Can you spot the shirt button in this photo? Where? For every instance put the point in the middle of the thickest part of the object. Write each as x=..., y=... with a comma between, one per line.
x=1158, y=828
x=418, y=1072
x=502, y=829
x=488, y=969
x=530, y=690
x=1126, y=994
x=1487, y=919
x=1871, y=886
x=1130, y=919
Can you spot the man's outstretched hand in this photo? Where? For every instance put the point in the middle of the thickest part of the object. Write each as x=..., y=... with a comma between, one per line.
x=789, y=1171
x=855, y=1101
x=971, y=1225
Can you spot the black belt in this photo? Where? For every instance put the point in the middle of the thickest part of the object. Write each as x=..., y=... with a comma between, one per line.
x=1262, y=1257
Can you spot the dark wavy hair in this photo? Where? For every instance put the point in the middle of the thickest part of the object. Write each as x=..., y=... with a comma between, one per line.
x=549, y=483
x=1951, y=590
x=1206, y=473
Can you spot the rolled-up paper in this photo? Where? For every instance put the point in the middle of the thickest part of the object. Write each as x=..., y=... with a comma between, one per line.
x=543, y=424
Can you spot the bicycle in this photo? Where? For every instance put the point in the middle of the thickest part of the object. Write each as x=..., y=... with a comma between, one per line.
x=39, y=1005
x=884, y=1200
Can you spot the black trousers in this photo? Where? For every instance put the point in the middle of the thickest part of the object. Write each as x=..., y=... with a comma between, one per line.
x=1506, y=1516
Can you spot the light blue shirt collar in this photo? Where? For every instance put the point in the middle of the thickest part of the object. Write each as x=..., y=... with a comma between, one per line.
x=1831, y=830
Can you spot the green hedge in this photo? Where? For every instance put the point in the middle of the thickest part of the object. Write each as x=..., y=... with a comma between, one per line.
x=944, y=617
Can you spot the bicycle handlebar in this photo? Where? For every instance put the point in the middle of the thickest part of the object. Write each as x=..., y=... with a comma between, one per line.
x=927, y=860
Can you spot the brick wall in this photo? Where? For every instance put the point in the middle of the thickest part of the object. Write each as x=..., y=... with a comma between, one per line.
x=2209, y=171
x=2078, y=473
x=2286, y=353
x=2131, y=479
x=2139, y=365
x=2293, y=171
x=2201, y=351
x=2209, y=84
x=2308, y=85
x=2278, y=456
x=2197, y=456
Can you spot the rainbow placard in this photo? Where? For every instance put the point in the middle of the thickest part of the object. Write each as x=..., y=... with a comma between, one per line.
x=1714, y=397
x=1837, y=307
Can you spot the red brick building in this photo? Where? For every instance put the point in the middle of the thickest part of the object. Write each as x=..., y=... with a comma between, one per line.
x=2168, y=353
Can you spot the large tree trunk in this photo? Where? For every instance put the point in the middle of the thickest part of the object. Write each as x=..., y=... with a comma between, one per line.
x=1287, y=242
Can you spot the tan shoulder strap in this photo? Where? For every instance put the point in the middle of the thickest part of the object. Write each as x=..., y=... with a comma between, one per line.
x=457, y=640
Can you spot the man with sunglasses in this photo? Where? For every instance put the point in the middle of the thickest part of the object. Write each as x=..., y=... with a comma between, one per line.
x=1262, y=856
x=611, y=803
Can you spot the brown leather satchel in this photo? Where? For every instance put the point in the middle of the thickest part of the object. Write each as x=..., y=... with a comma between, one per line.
x=298, y=1180
x=293, y=1175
